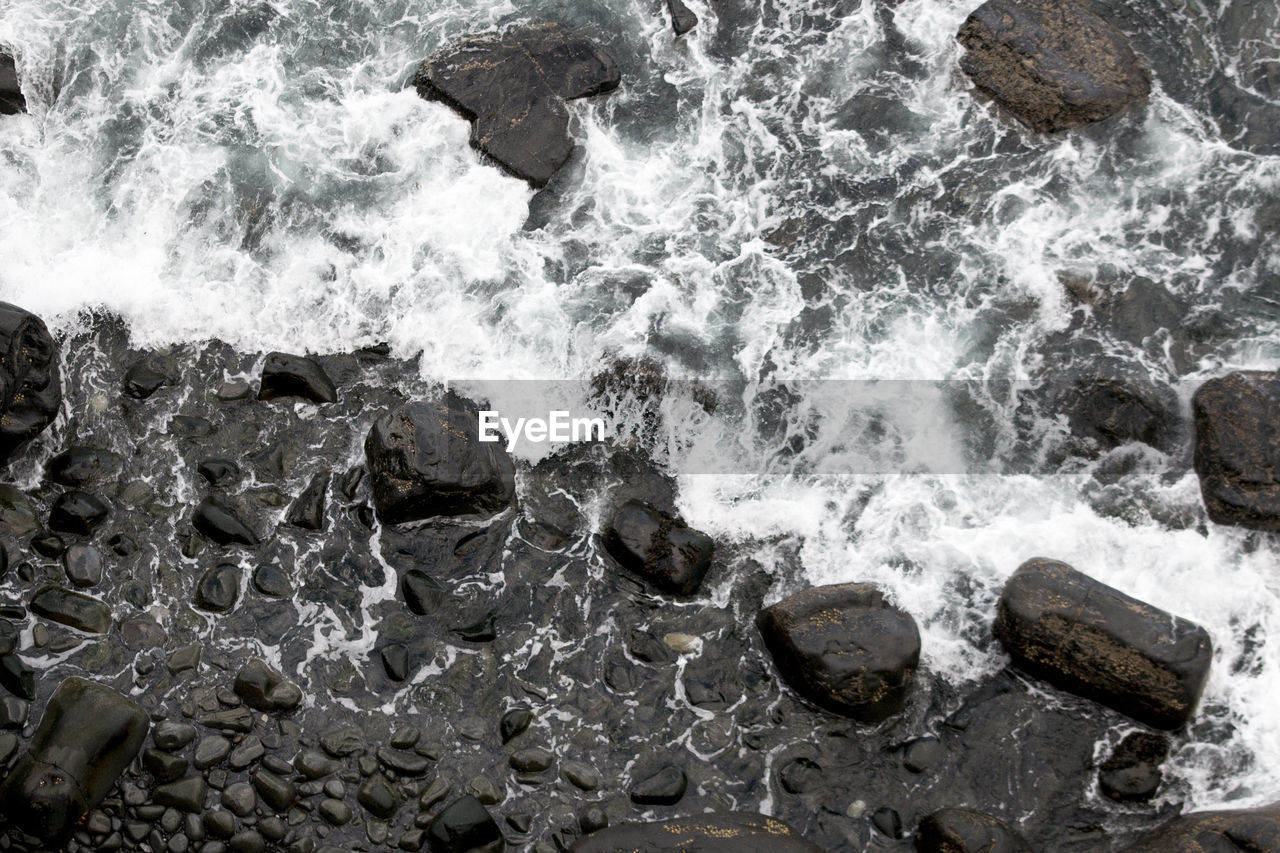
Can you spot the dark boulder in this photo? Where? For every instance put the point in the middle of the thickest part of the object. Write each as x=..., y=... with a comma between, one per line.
x=464, y=825
x=426, y=459
x=1054, y=64
x=264, y=689
x=30, y=386
x=512, y=86
x=1112, y=412
x=1131, y=774
x=845, y=648
x=663, y=788
x=967, y=831
x=12, y=101
x=422, y=593
x=87, y=737
x=1090, y=639
x=142, y=380
x=683, y=18
x=722, y=832
x=285, y=375
x=219, y=588
x=16, y=677
x=72, y=609
x=218, y=521
x=77, y=512
x=79, y=465
x=1227, y=831
x=659, y=547
x=307, y=512
x=1237, y=455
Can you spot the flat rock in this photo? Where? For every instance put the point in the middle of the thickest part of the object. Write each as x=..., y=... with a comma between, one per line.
x=73, y=609
x=1237, y=454
x=659, y=547
x=1054, y=64
x=721, y=832
x=30, y=384
x=1227, y=831
x=1095, y=641
x=512, y=87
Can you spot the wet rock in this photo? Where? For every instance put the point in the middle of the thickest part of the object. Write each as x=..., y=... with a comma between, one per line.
x=395, y=661
x=664, y=788
x=14, y=712
x=265, y=689
x=531, y=760
x=1090, y=639
x=72, y=609
x=513, y=723
x=426, y=459
x=1131, y=774
x=659, y=547
x=172, y=736
x=186, y=794
x=1113, y=412
x=210, y=751
x=219, y=588
x=16, y=677
x=233, y=720
x=30, y=385
x=87, y=736
x=219, y=472
x=421, y=592
x=1237, y=453
x=464, y=825
x=48, y=545
x=142, y=380
x=80, y=465
x=183, y=659
x=218, y=521
x=581, y=776
x=342, y=742
x=285, y=375
x=1054, y=64
x=845, y=648
x=721, y=832
x=682, y=17
x=83, y=564
x=1227, y=831
x=335, y=812
x=164, y=766
x=77, y=512
x=12, y=101
x=279, y=794
x=967, y=831
x=17, y=512
x=512, y=87
x=377, y=796
x=307, y=512
x=270, y=580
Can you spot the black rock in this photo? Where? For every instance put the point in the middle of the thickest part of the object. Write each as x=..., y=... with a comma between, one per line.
x=718, y=832
x=307, y=511
x=87, y=737
x=395, y=660
x=270, y=580
x=30, y=386
x=142, y=380
x=421, y=592
x=659, y=547
x=219, y=472
x=279, y=794
x=426, y=459
x=967, y=831
x=12, y=101
x=13, y=712
x=1113, y=412
x=16, y=677
x=1226, y=831
x=77, y=512
x=845, y=648
x=219, y=588
x=219, y=522
x=164, y=766
x=664, y=788
x=512, y=87
x=403, y=763
x=1237, y=455
x=72, y=609
x=83, y=564
x=514, y=722
x=185, y=794
x=1132, y=772
x=49, y=545
x=1054, y=64
x=80, y=465
x=1090, y=639
x=682, y=17
x=173, y=736
x=377, y=796
x=464, y=825
x=285, y=375
x=265, y=689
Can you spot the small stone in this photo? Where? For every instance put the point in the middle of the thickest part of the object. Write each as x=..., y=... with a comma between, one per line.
x=270, y=580
x=164, y=766
x=248, y=841
x=313, y=764
x=335, y=812
x=77, y=512
x=220, y=824
x=531, y=760
x=422, y=593
x=185, y=794
x=405, y=737
x=142, y=380
x=239, y=798
x=435, y=792
x=485, y=790
x=923, y=754
x=664, y=788
x=395, y=661
x=465, y=824
x=219, y=588
x=184, y=659
x=404, y=763
x=514, y=722
x=1131, y=774
x=249, y=750
x=285, y=375
x=279, y=794
x=210, y=751
x=593, y=820
x=342, y=741
x=83, y=564
x=684, y=644
x=582, y=776
x=377, y=796
x=218, y=521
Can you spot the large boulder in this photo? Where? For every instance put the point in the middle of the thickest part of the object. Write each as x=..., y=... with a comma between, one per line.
x=86, y=739
x=426, y=460
x=845, y=648
x=967, y=831
x=11, y=98
x=512, y=87
x=1054, y=64
x=30, y=387
x=1093, y=640
x=722, y=832
x=659, y=547
x=1236, y=830
x=1237, y=455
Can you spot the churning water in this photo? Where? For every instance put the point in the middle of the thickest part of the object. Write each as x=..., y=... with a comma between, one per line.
x=797, y=190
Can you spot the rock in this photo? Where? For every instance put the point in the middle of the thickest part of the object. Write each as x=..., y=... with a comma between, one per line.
x=1131, y=774
x=1237, y=453
x=30, y=386
x=1054, y=64
x=219, y=522
x=307, y=512
x=185, y=795
x=682, y=17
x=270, y=580
x=83, y=564
x=512, y=87
x=142, y=380
x=164, y=766
x=265, y=689
x=664, y=788
x=219, y=588
x=72, y=609
x=80, y=465
x=239, y=798
x=342, y=742
x=514, y=722
x=87, y=737
x=464, y=825
x=845, y=648
x=173, y=736
x=16, y=677
x=219, y=472
x=12, y=101
x=426, y=460
x=532, y=759
x=285, y=375
x=395, y=661
x=77, y=512
x=1090, y=639
x=967, y=831
x=1235, y=830
x=580, y=775
x=17, y=512
x=1113, y=412
x=335, y=812
x=717, y=832
x=210, y=751
x=659, y=547
x=377, y=796
x=279, y=794
x=14, y=712
x=421, y=592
